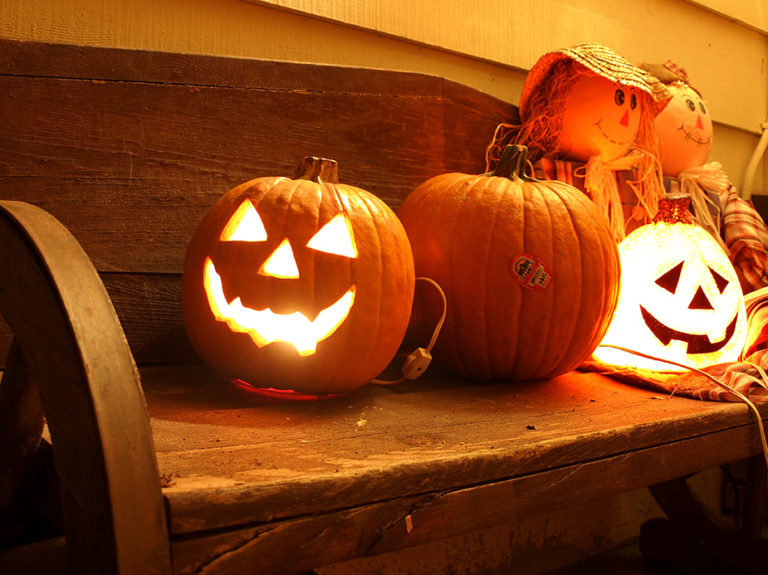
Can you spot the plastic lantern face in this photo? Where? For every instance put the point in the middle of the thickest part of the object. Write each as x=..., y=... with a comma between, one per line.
x=680, y=300
x=601, y=118
x=685, y=131
x=304, y=285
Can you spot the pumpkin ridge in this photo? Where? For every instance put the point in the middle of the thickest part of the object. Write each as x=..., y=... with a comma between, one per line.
x=595, y=260
x=379, y=272
x=592, y=234
x=561, y=268
x=514, y=245
x=583, y=232
x=489, y=312
x=466, y=356
x=446, y=216
x=591, y=259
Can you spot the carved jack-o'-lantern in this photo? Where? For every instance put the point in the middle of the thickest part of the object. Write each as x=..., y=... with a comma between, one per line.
x=302, y=284
x=680, y=297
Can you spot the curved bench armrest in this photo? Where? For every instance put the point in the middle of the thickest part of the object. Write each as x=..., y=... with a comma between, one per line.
x=76, y=353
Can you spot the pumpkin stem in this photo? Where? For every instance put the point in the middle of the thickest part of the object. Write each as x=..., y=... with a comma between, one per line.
x=512, y=164
x=673, y=209
x=319, y=170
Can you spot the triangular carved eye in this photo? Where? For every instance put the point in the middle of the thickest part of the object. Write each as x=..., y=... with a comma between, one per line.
x=720, y=281
x=335, y=237
x=670, y=279
x=245, y=225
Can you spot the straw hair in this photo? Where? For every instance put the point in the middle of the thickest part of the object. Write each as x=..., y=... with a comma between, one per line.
x=542, y=104
x=600, y=60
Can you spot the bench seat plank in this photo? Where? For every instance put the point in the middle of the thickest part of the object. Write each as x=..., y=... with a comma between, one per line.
x=255, y=468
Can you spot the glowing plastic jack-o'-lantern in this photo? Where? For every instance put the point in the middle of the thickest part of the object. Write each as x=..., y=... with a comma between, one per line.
x=680, y=298
x=302, y=284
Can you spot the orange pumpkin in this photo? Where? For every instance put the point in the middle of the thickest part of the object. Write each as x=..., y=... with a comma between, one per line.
x=300, y=284
x=529, y=268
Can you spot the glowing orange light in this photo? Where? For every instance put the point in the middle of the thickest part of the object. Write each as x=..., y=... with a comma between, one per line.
x=281, y=394
x=265, y=326
x=281, y=263
x=335, y=237
x=245, y=225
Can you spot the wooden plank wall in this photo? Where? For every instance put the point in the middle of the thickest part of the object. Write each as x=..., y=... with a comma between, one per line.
x=130, y=148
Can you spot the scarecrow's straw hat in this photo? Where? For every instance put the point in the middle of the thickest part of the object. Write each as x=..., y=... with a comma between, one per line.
x=603, y=62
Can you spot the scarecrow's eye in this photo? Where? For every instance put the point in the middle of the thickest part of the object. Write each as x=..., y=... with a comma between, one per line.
x=703, y=108
x=619, y=97
x=245, y=225
x=335, y=237
x=690, y=104
x=633, y=101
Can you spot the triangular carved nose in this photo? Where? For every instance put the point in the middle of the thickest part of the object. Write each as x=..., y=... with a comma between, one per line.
x=700, y=300
x=281, y=263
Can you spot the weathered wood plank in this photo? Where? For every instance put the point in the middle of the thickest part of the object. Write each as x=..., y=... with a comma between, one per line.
x=93, y=63
x=261, y=459
x=389, y=525
x=146, y=142
x=76, y=353
x=150, y=158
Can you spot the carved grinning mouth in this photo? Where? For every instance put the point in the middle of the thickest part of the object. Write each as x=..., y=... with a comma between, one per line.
x=265, y=327
x=697, y=343
x=689, y=134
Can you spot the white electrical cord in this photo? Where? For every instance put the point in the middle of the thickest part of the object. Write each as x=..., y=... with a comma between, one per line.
x=417, y=361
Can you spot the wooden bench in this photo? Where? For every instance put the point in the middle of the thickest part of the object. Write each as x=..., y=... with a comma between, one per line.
x=178, y=469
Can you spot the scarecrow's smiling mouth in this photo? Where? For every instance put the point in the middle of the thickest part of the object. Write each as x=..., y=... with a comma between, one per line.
x=697, y=343
x=265, y=327
x=607, y=137
x=689, y=134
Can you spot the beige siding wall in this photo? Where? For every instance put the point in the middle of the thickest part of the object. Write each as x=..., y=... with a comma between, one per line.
x=488, y=45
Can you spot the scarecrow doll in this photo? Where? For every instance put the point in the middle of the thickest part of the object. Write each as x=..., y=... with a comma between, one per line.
x=685, y=133
x=587, y=119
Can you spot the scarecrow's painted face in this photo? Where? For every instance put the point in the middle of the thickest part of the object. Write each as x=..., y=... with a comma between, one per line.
x=601, y=118
x=685, y=131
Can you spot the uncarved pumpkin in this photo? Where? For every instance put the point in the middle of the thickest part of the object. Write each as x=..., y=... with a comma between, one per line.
x=529, y=268
x=300, y=284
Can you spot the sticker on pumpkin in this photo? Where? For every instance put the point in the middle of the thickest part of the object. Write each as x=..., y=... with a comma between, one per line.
x=530, y=271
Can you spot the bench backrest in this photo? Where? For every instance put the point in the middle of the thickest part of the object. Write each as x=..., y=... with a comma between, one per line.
x=129, y=149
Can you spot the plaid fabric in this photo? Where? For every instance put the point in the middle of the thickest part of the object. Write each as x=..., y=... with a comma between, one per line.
x=742, y=376
x=746, y=236
x=677, y=70
x=574, y=173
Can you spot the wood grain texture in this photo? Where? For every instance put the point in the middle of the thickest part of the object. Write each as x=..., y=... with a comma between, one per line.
x=414, y=463
x=78, y=357
x=146, y=142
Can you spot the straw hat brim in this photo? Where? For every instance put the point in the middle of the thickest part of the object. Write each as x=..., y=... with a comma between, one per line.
x=602, y=61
